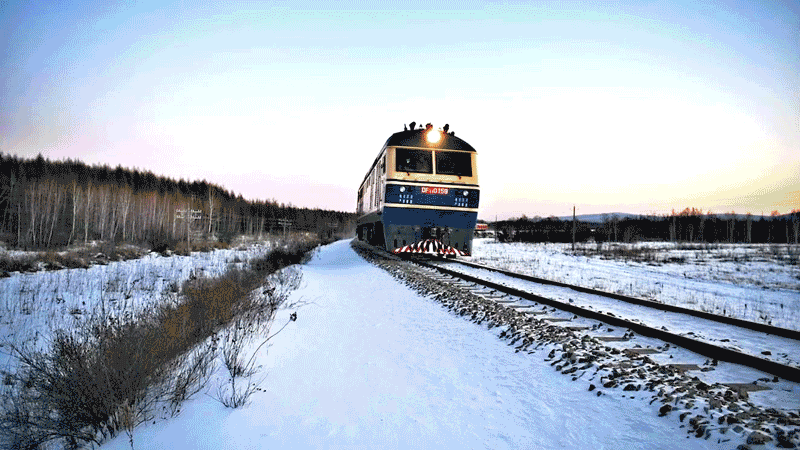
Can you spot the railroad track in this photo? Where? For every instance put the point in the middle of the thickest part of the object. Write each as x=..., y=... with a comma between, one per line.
x=702, y=347
x=715, y=397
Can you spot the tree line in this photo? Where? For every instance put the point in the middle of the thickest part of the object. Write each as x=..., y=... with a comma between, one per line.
x=689, y=225
x=52, y=204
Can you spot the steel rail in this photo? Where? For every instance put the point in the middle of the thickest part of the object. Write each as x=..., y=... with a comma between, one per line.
x=760, y=327
x=709, y=350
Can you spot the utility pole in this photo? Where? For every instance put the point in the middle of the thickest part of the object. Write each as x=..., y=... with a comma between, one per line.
x=573, y=228
x=332, y=226
x=284, y=223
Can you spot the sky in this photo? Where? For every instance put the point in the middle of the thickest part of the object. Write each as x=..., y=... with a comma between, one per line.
x=628, y=106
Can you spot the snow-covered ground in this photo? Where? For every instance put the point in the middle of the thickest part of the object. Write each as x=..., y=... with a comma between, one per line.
x=372, y=364
x=33, y=305
x=778, y=349
x=369, y=363
x=760, y=283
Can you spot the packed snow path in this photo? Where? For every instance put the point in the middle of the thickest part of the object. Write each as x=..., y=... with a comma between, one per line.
x=371, y=364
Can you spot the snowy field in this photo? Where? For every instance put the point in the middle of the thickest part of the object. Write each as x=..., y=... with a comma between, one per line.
x=371, y=364
x=758, y=282
x=33, y=305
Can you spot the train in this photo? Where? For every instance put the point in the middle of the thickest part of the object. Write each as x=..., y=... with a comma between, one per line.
x=421, y=194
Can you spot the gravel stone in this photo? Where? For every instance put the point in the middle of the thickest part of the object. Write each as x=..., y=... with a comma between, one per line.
x=673, y=388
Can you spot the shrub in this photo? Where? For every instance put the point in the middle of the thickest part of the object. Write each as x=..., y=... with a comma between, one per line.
x=160, y=244
x=182, y=248
x=123, y=253
x=17, y=264
x=108, y=375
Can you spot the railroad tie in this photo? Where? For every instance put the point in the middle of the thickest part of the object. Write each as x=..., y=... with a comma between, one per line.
x=473, y=287
x=535, y=312
x=748, y=387
x=611, y=338
x=684, y=367
x=523, y=308
x=479, y=290
x=641, y=351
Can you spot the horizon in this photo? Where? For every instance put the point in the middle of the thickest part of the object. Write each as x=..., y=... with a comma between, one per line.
x=695, y=211
x=634, y=106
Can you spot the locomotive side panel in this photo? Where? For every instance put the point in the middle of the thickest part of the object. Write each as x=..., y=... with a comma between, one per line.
x=370, y=200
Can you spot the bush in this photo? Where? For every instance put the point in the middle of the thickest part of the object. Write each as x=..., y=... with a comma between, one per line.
x=161, y=245
x=182, y=248
x=17, y=264
x=108, y=375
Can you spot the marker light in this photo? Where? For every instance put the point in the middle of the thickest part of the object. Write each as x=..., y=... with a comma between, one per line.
x=433, y=136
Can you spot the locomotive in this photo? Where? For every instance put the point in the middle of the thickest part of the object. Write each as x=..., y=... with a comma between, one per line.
x=420, y=196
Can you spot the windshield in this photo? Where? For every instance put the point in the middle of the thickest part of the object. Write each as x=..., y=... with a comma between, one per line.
x=454, y=163
x=419, y=161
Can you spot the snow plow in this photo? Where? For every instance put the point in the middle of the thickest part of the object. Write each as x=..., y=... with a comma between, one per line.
x=429, y=247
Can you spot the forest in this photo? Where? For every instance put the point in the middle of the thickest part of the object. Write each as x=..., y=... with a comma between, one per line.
x=689, y=225
x=54, y=204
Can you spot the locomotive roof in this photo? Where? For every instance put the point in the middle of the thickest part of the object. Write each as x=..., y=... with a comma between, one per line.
x=416, y=138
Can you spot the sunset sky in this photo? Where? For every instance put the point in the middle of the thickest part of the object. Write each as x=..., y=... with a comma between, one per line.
x=636, y=107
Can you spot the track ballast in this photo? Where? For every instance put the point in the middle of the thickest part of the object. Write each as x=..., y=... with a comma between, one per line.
x=623, y=365
x=719, y=352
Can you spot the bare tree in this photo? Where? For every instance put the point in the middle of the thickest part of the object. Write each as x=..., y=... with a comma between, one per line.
x=77, y=193
x=213, y=204
x=87, y=213
x=749, y=228
x=54, y=195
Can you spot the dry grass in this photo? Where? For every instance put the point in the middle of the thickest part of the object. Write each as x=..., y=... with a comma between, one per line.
x=100, y=253
x=77, y=258
x=616, y=251
x=182, y=248
x=108, y=375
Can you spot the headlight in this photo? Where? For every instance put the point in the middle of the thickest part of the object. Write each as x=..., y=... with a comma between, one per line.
x=466, y=193
x=402, y=188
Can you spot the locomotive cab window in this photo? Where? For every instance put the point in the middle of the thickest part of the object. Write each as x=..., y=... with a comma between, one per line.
x=417, y=161
x=454, y=163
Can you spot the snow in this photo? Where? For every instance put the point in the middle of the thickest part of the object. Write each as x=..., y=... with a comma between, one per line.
x=32, y=305
x=782, y=350
x=371, y=364
x=757, y=282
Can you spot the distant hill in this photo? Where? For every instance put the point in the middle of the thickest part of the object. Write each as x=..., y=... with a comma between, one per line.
x=600, y=218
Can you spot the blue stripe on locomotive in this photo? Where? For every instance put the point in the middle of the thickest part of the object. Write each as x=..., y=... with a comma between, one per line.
x=429, y=218
x=413, y=195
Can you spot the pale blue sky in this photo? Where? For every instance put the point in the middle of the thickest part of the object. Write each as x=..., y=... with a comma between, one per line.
x=613, y=106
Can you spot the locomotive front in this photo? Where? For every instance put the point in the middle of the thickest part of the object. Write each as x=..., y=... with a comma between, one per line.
x=421, y=194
